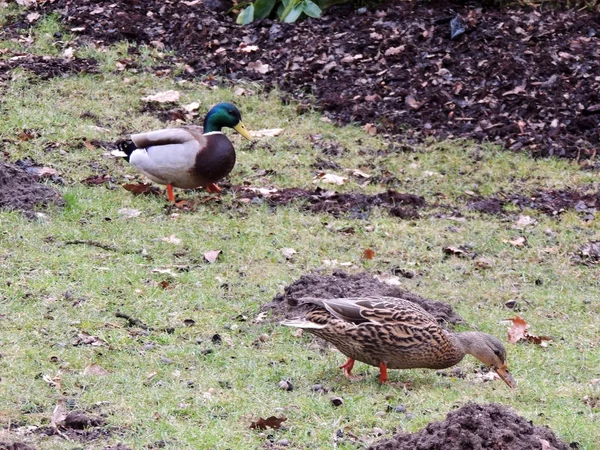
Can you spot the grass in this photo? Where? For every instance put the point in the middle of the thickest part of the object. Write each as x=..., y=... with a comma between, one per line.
x=179, y=388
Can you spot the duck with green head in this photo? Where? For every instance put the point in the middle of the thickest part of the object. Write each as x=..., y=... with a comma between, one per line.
x=187, y=157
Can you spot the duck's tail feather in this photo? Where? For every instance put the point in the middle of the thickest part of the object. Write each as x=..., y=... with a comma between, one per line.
x=124, y=149
x=302, y=323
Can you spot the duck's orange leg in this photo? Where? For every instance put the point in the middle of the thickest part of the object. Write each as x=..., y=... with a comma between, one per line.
x=382, y=372
x=170, y=193
x=213, y=188
x=347, y=366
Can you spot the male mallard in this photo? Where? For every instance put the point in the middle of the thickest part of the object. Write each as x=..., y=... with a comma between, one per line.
x=189, y=156
x=394, y=333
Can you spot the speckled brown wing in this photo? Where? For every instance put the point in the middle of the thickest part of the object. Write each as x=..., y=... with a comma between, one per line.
x=394, y=331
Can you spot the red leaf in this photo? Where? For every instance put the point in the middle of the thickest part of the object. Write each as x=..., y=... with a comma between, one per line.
x=518, y=329
x=271, y=422
x=368, y=254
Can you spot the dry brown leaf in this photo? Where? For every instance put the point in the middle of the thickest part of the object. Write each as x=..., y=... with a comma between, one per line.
x=171, y=239
x=32, y=17
x=370, y=128
x=212, y=255
x=245, y=48
x=412, y=102
x=517, y=331
x=360, y=173
x=519, y=241
x=142, y=188
x=270, y=422
x=520, y=331
x=95, y=370
x=330, y=178
x=524, y=221
x=288, y=252
x=191, y=106
x=84, y=338
x=59, y=414
x=165, y=284
x=163, y=97
x=368, y=254
x=269, y=132
x=259, y=67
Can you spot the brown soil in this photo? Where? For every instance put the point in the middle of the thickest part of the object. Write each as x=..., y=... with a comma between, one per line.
x=477, y=427
x=357, y=205
x=521, y=77
x=21, y=191
x=46, y=66
x=341, y=284
x=14, y=446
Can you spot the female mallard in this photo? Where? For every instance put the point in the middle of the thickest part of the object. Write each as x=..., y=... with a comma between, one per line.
x=393, y=333
x=187, y=157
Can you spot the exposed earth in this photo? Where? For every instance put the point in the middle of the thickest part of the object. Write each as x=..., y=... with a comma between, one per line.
x=525, y=78
x=342, y=284
x=21, y=191
x=478, y=427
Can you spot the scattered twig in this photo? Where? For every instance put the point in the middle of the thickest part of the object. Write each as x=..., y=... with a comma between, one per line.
x=132, y=321
x=103, y=246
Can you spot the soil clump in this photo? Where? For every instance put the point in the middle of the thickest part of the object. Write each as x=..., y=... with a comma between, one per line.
x=21, y=191
x=477, y=427
x=342, y=284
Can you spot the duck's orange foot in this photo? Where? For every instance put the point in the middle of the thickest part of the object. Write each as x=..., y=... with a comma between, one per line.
x=347, y=366
x=212, y=188
x=170, y=193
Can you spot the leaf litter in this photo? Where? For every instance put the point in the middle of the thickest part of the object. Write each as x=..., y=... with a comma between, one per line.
x=519, y=331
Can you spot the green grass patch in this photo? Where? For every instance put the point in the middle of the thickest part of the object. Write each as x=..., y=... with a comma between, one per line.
x=177, y=386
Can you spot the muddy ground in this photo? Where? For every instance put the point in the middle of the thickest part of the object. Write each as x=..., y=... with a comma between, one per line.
x=525, y=78
x=342, y=284
x=478, y=427
x=21, y=191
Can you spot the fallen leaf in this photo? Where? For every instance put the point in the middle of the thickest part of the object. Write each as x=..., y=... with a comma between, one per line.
x=55, y=381
x=259, y=67
x=519, y=241
x=84, y=338
x=247, y=48
x=389, y=279
x=391, y=51
x=271, y=422
x=59, y=414
x=95, y=370
x=212, y=255
x=520, y=331
x=370, y=128
x=463, y=251
x=288, y=252
x=517, y=331
x=412, y=102
x=330, y=178
x=32, y=17
x=360, y=173
x=524, y=221
x=545, y=444
x=68, y=53
x=171, y=239
x=163, y=97
x=165, y=284
x=269, y=132
x=128, y=212
x=483, y=263
x=368, y=254
x=191, y=106
x=149, y=377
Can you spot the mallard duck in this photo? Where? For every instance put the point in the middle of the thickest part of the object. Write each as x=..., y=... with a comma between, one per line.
x=189, y=156
x=393, y=333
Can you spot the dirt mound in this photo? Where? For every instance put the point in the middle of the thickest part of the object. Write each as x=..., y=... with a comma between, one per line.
x=342, y=284
x=477, y=427
x=521, y=77
x=357, y=205
x=21, y=191
x=47, y=67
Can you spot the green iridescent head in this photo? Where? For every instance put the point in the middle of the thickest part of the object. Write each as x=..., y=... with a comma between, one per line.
x=225, y=115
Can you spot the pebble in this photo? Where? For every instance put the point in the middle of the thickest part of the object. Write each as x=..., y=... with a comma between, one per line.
x=400, y=409
x=263, y=337
x=283, y=442
x=378, y=431
x=379, y=414
x=410, y=416
x=286, y=385
x=317, y=387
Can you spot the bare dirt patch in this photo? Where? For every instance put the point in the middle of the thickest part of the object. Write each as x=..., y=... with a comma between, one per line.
x=21, y=191
x=342, y=284
x=356, y=205
x=478, y=427
x=47, y=67
x=521, y=77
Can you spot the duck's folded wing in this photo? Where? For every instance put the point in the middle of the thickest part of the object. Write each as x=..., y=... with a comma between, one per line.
x=167, y=136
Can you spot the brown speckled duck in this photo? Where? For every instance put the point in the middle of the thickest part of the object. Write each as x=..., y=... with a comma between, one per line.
x=187, y=157
x=392, y=333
